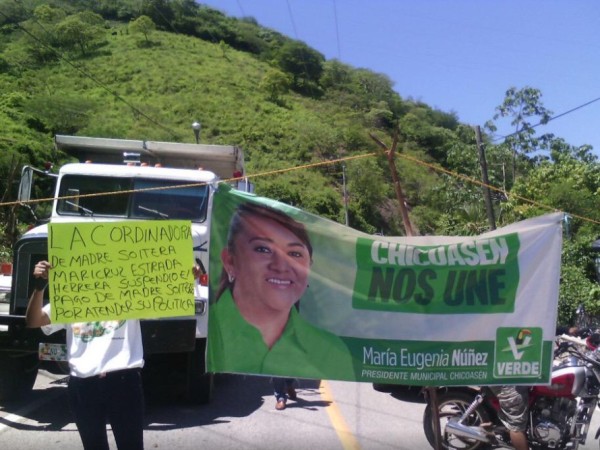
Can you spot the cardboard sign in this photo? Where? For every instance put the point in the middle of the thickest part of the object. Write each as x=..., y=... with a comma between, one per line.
x=120, y=270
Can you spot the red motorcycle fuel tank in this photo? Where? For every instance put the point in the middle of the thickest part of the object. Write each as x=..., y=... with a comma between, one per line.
x=566, y=382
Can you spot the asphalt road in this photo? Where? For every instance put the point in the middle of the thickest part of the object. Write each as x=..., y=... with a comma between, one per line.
x=242, y=415
x=328, y=415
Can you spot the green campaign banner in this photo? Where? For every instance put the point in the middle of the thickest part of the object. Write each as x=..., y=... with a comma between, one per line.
x=120, y=270
x=295, y=295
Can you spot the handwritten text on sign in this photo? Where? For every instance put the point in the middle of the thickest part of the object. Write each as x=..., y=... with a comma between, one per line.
x=120, y=270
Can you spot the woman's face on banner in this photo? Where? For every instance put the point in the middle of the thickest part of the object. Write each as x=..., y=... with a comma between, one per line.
x=270, y=264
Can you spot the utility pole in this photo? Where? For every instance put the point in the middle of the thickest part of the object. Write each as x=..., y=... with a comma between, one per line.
x=399, y=195
x=484, y=176
x=345, y=194
x=431, y=392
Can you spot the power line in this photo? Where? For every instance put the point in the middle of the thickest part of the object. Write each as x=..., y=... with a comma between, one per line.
x=337, y=31
x=549, y=120
x=292, y=19
x=574, y=109
x=241, y=9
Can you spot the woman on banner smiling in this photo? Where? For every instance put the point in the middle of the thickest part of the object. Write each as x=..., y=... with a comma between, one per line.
x=254, y=323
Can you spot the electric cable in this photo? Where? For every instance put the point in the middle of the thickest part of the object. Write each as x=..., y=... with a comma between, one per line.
x=550, y=119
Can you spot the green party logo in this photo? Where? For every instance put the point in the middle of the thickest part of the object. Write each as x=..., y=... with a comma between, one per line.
x=518, y=352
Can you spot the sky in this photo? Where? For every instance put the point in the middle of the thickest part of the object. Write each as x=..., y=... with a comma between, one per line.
x=459, y=56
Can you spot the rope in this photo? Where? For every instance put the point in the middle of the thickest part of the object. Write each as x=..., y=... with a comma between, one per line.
x=309, y=166
x=160, y=188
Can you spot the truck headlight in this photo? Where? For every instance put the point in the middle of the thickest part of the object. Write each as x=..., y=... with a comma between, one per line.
x=201, y=306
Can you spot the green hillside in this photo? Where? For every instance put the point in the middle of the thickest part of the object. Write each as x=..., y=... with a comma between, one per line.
x=127, y=85
x=148, y=69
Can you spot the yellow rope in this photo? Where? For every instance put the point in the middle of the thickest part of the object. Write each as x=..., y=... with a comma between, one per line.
x=480, y=183
x=261, y=174
x=308, y=166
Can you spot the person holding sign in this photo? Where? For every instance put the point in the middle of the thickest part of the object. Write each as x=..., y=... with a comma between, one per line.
x=254, y=323
x=105, y=361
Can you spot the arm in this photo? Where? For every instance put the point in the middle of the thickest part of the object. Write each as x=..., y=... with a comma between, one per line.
x=35, y=317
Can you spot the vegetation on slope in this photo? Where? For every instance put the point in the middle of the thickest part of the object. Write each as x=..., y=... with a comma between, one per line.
x=147, y=70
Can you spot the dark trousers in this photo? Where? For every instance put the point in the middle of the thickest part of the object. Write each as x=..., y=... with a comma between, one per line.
x=281, y=386
x=116, y=398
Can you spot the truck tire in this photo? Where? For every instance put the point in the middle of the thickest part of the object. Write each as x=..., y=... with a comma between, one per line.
x=199, y=384
x=17, y=375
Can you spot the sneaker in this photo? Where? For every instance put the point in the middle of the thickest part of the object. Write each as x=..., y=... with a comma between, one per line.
x=280, y=404
x=291, y=392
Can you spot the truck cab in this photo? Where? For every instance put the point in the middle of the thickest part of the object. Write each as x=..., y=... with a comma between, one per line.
x=118, y=180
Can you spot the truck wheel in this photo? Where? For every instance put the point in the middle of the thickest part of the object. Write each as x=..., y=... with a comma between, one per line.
x=199, y=385
x=17, y=375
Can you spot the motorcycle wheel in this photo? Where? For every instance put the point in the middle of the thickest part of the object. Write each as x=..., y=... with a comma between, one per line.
x=454, y=404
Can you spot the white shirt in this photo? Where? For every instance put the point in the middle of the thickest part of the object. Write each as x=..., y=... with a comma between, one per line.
x=99, y=347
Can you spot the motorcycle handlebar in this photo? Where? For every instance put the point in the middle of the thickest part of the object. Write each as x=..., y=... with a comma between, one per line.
x=572, y=339
x=581, y=355
x=578, y=347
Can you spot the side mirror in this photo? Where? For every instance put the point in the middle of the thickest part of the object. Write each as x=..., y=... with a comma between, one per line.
x=25, y=184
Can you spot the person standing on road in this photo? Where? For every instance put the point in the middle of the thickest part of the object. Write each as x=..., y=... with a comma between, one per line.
x=283, y=388
x=105, y=361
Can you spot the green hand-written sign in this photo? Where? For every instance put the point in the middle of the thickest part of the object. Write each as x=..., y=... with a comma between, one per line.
x=478, y=276
x=120, y=270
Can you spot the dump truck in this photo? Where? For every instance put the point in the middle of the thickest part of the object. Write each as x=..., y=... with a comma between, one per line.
x=119, y=180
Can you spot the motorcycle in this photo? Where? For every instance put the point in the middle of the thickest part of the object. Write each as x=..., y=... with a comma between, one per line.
x=559, y=414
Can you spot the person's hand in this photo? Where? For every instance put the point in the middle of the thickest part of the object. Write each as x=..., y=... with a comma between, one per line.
x=41, y=269
x=196, y=271
x=41, y=273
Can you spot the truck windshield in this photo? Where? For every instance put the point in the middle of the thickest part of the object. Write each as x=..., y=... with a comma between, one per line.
x=132, y=197
x=169, y=200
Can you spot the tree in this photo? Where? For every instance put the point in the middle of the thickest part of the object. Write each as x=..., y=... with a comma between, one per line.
x=369, y=189
x=160, y=11
x=82, y=30
x=184, y=15
x=336, y=75
x=525, y=109
x=304, y=64
x=48, y=14
x=375, y=87
x=42, y=38
x=143, y=25
x=275, y=83
x=568, y=181
x=564, y=182
x=12, y=12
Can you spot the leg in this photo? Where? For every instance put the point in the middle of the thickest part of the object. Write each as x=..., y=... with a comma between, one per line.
x=519, y=440
x=126, y=408
x=279, y=389
x=291, y=392
x=513, y=402
x=87, y=401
